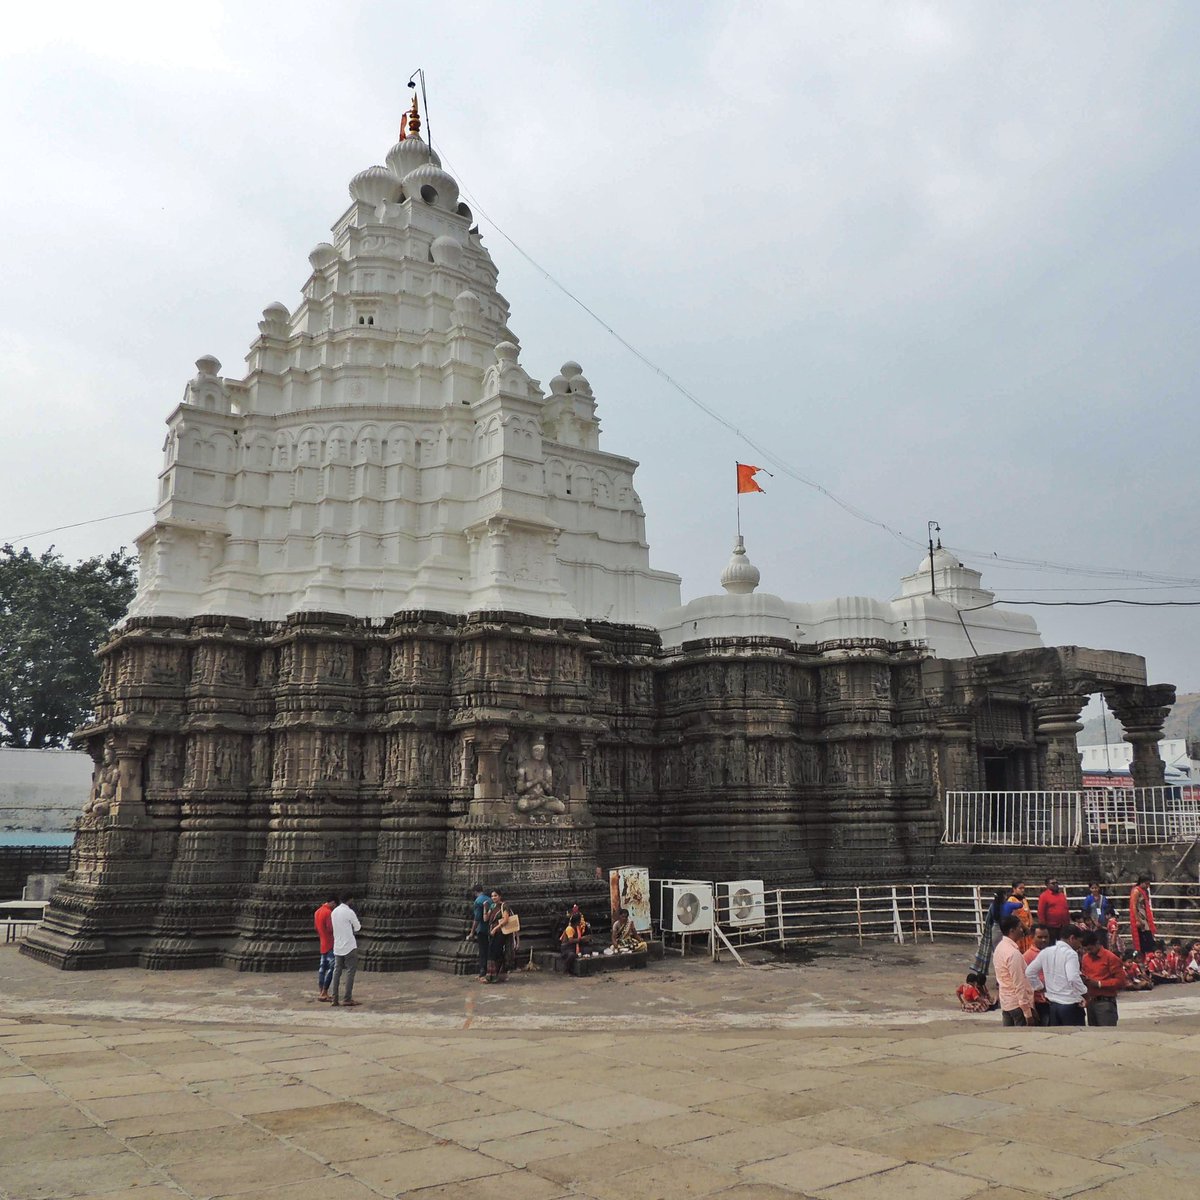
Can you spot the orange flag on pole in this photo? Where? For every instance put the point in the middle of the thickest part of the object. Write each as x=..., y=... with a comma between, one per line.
x=745, y=478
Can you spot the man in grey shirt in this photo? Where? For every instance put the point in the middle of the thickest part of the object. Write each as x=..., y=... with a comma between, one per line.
x=1055, y=971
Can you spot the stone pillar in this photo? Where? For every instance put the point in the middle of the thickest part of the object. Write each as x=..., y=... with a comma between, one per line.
x=130, y=807
x=488, y=800
x=955, y=768
x=1142, y=711
x=1057, y=723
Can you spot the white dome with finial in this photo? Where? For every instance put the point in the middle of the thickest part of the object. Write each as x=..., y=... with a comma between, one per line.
x=741, y=576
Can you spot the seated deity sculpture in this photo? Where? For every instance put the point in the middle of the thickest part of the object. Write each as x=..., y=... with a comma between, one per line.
x=535, y=784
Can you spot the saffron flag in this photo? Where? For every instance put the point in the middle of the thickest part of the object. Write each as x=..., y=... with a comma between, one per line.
x=745, y=478
x=404, y=127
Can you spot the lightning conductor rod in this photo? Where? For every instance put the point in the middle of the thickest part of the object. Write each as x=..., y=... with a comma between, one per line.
x=420, y=74
x=930, y=527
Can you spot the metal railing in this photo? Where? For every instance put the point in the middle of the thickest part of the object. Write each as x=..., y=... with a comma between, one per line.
x=1151, y=816
x=911, y=912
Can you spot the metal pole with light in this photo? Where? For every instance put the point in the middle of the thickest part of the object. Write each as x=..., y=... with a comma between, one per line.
x=930, y=527
x=419, y=74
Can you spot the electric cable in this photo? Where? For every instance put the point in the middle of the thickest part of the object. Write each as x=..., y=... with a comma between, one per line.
x=780, y=464
x=75, y=525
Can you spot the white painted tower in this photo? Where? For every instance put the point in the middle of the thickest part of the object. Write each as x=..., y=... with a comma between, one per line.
x=386, y=451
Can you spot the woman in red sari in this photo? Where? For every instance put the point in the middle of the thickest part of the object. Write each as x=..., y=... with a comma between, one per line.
x=1142, y=929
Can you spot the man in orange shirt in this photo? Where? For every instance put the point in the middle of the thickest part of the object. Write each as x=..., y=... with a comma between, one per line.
x=1104, y=974
x=1041, y=1006
x=323, y=923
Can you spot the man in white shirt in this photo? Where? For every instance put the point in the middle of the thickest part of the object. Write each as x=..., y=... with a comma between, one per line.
x=345, y=951
x=1055, y=971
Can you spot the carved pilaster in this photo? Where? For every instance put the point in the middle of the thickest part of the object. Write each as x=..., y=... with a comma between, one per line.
x=1056, y=726
x=1142, y=711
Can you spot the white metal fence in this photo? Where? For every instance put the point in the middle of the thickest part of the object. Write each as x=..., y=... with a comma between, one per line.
x=913, y=912
x=1091, y=816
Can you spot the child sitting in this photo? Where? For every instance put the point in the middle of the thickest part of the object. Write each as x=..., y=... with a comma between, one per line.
x=1191, y=968
x=1139, y=979
x=973, y=996
x=1158, y=967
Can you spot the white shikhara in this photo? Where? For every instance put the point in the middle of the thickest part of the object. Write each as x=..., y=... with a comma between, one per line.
x=386, y=451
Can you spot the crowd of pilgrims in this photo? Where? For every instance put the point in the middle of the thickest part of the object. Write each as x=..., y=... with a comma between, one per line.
x=496, y=928
x=1071, y=966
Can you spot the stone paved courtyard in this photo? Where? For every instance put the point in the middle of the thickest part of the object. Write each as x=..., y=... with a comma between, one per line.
x=849, y=1078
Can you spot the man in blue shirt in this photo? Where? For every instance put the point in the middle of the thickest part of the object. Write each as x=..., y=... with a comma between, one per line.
x=479, y=928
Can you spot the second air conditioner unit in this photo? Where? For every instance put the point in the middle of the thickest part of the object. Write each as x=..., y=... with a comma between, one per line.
x=741, y=903
x=687, y=907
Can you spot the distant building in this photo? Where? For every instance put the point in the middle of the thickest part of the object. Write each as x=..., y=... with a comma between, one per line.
x=41, y=794
x=1108, y=765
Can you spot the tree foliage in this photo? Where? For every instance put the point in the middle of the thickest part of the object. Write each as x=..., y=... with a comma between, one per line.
x=53, y=616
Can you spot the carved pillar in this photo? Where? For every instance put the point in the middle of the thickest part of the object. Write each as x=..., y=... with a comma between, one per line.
x=577, y=783
x=956, y=768
x=488, y=800
x=1142, y=711
x=130, y=806
x=1057, y=723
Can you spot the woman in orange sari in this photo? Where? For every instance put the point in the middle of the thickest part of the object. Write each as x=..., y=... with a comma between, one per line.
x=1017, y=906
x=1142, y=930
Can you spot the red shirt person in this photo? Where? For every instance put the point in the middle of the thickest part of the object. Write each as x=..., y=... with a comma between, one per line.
x=1104, y=974
x=1053, y=910
x=323, y=924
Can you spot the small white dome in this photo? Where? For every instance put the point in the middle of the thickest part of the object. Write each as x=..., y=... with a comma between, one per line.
x=467, y=302
x=571, y=369
x=741, y=576
x=941, y=558
x=559, y=385
x=433, y=185
x=208, y=364
x=408, y=155
x=446, y=251
x=322, y=255
x=374, y=186
x=277, y=311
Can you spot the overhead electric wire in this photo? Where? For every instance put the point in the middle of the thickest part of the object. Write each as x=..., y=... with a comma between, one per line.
x=782, y=465
x=75, y=525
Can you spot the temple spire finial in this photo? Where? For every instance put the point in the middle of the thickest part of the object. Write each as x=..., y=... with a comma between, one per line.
x=412, y=127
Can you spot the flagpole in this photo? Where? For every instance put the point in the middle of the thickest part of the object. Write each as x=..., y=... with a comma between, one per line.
x=737, y=493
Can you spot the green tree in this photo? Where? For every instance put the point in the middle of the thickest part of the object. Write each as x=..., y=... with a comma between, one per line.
x=53, y=616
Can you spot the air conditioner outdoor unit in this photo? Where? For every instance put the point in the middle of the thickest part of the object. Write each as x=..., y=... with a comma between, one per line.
x=740, y=903
x=687, y=907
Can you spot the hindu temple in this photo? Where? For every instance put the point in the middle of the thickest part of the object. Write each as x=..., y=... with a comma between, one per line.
x=398, y=630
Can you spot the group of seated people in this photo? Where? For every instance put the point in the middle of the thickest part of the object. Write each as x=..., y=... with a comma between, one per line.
x=576, y=937
x=1176, y=963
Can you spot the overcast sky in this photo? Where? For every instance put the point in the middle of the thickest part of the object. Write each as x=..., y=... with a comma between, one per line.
x=941, y=258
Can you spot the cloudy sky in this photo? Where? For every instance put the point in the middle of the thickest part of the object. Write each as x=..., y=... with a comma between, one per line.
x=940, y=258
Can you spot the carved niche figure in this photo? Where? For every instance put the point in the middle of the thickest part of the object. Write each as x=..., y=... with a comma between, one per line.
x=535, y=784
x=910, y=683
x=916, y=768
x=883, y=763
x=541, y=660
x=231, y=668
x=831, y=684
x=260, y=758
x=104, y=785
x=224, y=760
x=373, y=751
x=881, y=683
x=332, y=761
x=287, y=660
x=808, y=765
x=163, y=668
x=165, y=760
x=840, y=763
x=279, y=762
x=336, y=663
x=373, y=665
x=268, y=666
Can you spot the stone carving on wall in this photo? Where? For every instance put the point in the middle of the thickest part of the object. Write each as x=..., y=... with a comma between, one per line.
x=335, y=662
x=808, y=763
x=104, y=785
x=231, y=668
x=831, y=684
x=916, y=763
x=841, y=763
x=881, y=682
x=374, y=667
x=535, y=784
